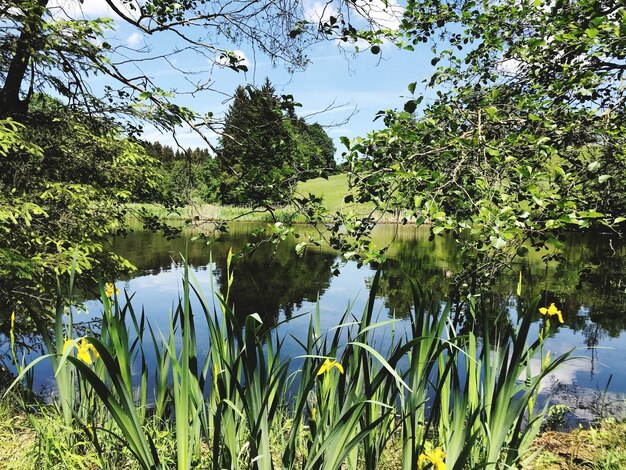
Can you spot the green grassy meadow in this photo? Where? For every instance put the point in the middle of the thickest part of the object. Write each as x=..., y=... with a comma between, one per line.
x=332, y=190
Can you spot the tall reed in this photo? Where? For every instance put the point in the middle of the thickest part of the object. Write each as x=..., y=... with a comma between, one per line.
x=455, y=397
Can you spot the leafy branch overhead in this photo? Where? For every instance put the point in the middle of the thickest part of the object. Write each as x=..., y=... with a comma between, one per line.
x=521, y=134
x=57, y=47
x=70, y=155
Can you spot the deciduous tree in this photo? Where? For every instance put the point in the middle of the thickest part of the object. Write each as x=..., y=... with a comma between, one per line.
x=525, y=135
x=66, y=170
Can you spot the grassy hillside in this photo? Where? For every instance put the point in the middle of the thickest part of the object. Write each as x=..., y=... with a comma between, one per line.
x=332, y=191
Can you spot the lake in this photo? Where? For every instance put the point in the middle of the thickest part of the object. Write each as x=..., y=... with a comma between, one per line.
x=589, y=287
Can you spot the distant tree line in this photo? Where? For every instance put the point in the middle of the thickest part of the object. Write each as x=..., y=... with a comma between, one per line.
x=264, y=151
x=186, y=174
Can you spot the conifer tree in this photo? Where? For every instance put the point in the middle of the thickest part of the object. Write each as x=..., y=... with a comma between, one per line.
x=256, y=155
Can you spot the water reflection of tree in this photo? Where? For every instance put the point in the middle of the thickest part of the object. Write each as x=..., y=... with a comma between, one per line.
x=151, y=253
x=273, y=280
x=430, y=263
x=588, y=284
x=270, y=281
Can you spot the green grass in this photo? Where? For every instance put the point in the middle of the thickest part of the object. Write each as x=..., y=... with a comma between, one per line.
x=17, y=437
x=332, y=191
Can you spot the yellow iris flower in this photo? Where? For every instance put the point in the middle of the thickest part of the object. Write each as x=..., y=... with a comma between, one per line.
x=110, y=289
x=84, y=349
x=433, y=456
x=551, y=311
x=328, y=365
x=83, y=352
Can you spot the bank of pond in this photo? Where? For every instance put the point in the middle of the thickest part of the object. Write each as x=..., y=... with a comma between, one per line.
x=277, y=360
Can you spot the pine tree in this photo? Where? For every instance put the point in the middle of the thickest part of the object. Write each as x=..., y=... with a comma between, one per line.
x=256, y=155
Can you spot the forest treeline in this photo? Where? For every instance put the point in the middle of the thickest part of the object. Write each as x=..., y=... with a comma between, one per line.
x=265, y=149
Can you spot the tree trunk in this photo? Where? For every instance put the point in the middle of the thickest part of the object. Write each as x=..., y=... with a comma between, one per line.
x=10, y=102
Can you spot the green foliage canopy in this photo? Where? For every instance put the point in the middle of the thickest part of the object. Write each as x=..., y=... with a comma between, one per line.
x=525, y=136
x=57, y=47
x=314, y=149
x=63, y=186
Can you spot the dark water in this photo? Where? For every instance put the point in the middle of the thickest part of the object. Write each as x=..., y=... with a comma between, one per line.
x=589, y=287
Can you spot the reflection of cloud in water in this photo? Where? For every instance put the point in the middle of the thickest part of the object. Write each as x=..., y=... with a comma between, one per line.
x=565, y=374
x=586, y=404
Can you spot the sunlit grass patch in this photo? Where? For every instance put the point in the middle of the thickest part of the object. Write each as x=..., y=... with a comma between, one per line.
x=18, y=440
x=599, y=447
x=333, y=191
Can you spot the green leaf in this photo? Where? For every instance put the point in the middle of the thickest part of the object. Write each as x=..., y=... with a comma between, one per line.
x=411, y=105
x=438, y=229
x=383, y=361
x=593, y=166
x=491, y=110
x=536, y=42
x=301, y=248
x=499, y=243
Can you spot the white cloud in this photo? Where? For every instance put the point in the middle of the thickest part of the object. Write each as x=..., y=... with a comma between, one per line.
x=352, y=46
x=15, y=11
x=380, y=14
x=317, y=11
x=134, y=39
x=184, y=137
x=92, y=8
x=563, y=375
x=509, y=67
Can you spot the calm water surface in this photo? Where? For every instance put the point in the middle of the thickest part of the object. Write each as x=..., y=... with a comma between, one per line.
x=589, y=287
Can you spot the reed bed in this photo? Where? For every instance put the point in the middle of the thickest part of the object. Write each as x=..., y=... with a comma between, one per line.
x=450, y=392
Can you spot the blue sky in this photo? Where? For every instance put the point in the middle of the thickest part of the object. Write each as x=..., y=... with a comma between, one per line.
x=365, y=83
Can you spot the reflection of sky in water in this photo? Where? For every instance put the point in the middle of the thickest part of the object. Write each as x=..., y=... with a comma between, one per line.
x=158, y=284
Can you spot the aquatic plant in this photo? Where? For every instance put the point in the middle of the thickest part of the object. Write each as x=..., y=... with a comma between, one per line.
x=454, y=392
